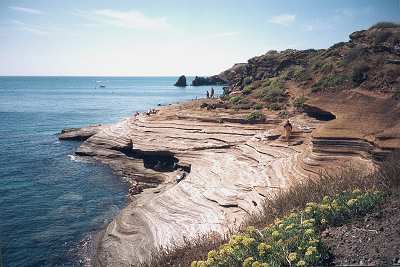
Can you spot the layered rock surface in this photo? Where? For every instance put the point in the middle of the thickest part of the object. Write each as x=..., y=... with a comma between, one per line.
x=231, y=167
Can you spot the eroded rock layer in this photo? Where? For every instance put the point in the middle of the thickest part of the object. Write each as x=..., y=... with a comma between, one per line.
x=229, y=168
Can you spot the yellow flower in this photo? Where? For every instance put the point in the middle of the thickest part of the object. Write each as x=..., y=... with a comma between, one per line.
x=226, y=250
x=301, y=263
x=308, y=223
x=248, y=261
x=326, y=199
x=275, y=234
x=356, y=191
x=290, y=226
x=201, y=264
x=309, y=232
x=310, y=251
x=247, y=241
x=263, y=248
x=351, y=202
x=212, y=254
x=308, y=210
x=325, y=207
x=193, y=264
x=292, y=256
x=335, y=205
x=250, y=230
x=211, y=261
x=311, y=204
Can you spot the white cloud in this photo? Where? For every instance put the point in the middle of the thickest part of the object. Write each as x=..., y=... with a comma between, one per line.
x=26, y=10
x=28, y=28
x=125, y=19
x=283, y=19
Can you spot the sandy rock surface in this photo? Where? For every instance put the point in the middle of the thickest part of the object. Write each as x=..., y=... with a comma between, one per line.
x=230, y=167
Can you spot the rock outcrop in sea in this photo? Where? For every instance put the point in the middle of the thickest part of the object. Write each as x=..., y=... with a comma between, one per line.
x=181, y=82
x=212, y=80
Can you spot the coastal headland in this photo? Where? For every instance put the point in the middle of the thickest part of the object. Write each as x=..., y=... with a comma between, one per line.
x=205, y=165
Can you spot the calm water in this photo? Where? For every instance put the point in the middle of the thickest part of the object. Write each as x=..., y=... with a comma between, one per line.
x=50, y=203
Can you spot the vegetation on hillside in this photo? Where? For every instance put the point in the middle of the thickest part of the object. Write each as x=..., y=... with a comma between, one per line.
x=359, y=63
x=295, y=238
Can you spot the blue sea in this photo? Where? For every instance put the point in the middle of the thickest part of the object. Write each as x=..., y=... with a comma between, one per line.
x=51, y=203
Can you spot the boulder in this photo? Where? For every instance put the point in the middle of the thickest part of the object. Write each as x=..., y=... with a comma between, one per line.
x=181, y=82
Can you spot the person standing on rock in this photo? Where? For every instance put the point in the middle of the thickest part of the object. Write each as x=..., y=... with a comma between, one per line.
x=212, y=92
x=208, y=94
x=288, y=130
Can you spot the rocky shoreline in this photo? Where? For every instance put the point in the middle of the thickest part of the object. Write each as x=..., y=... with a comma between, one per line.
x=233, y=167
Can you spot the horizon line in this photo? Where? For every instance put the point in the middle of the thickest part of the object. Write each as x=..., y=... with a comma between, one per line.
x=83, y=75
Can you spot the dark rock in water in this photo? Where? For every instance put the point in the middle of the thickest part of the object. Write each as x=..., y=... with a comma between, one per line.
x=181, y=82
x=212, y=80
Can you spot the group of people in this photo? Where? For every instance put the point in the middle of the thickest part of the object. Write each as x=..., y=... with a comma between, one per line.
x=210, y=95
x=148, y=113
x=151, y=111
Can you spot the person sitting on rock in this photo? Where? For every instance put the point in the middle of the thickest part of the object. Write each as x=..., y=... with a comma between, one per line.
x=208, y=94
x=212, y=93
x=288, y=130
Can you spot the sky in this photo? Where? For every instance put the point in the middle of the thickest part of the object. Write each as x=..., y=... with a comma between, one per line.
x=170, y=38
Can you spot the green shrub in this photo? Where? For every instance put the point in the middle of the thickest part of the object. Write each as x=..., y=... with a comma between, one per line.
x=276, y=106
x=247, y=90
x=330, y=81
x=299, y=102
x=235, y=99
x=255, y=116
x=385, y=25
x=273, y=90
x=300, y=74
x=293, y=240
x=258, y=106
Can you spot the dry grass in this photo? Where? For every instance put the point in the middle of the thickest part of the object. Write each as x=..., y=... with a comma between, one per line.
x=385, y=178
x=183, y=254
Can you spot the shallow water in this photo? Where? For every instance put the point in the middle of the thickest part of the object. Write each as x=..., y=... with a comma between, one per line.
x=52, y=202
